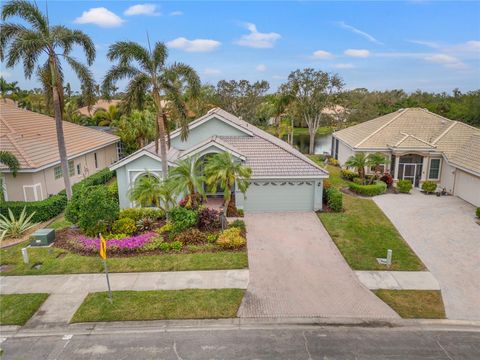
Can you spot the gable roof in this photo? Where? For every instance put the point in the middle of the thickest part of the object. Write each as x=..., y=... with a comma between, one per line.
x=32, y=137
x=267, y=155
x=416, y=128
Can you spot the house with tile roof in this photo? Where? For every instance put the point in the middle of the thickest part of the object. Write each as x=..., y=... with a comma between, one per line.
x=32, y=138
x=283, y=179
x=421, y=146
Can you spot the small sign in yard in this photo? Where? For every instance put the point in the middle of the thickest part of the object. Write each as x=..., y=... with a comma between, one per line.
x=386, y=261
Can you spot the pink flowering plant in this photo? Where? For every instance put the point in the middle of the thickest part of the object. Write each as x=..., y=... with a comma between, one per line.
x=125, y=245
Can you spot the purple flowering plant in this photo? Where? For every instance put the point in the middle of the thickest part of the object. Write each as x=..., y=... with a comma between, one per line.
x=124, y=245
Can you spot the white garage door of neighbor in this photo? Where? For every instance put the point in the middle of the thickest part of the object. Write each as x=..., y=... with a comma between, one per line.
x=467, y=187
x=277, y=196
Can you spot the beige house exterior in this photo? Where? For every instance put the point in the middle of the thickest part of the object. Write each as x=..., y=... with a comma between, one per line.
x=420, y=146
x=31, y=137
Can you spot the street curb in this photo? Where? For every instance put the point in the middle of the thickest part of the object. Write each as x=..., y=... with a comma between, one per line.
x=236, y=324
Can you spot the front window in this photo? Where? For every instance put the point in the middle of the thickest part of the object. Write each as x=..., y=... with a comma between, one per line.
x=71, y=168
x=57, y=171
x=434, y=172
x=96, y=161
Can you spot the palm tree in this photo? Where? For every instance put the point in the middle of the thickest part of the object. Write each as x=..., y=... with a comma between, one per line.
x=56, y=43
x=104, y=117
x=222, y=170
x=8, y=159
x=187, y=177
x=7, y=88
x=146, y=191
x=147, y=72
x=358, y=162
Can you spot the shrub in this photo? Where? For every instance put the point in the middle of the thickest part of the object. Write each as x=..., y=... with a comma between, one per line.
x=348, y=175
x=209, y=219
x=231, y=239
x=145, y=224
x=14, y=227
x=404, y=186
x=115, y=236
x=240, y=212
x=137, y=214
x=333, y=161
x=379, y=187
x=358, y=181
x=429, y=187
x=334, y=199
x=174, y=246
x=212, y=237
x=113, y=189
x=165, y=228
x=238, y=224
x=477, y=212
x=153, y=244
x=326, y=185
x=97, y=210
x=387, y=179
x=43, y=209
x=124, y=226
x=182, y=218
x=99, y=178
x=191, y=236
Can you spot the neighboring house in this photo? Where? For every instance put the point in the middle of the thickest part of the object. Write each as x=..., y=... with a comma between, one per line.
x=421, y=146
x=99, y=105
x=32, y=138
x=283, y=179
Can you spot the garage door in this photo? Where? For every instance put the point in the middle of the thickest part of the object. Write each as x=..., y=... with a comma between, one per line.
x=276, y=196
x=467, y=187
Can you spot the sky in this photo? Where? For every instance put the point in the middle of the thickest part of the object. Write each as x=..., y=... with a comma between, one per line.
x=379, y=45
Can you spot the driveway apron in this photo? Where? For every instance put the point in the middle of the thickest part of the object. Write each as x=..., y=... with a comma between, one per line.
x=297, y=271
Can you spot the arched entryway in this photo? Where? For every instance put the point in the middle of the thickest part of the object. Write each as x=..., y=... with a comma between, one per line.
x=410, y=168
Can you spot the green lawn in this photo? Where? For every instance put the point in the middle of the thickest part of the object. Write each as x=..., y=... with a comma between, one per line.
x=59, y=224
x=414, y=304
x=60, y=261
x=16, y=309
x=160, y=305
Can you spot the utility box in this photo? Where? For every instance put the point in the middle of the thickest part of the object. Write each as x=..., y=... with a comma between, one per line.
x=42, y=237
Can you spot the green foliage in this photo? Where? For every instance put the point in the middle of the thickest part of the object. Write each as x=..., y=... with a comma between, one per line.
x=9, y=160
x=240, y=212
x=404, y=186
x=43, y=209
x=238, y=224
x=379, y=187
x=191, y=236
x=348, y=175
x=477, y=212
x=429, y=187
x=146, y=191
x=124, y=226
x=231, y=239
x=212, y=237
x=165, y=228
x=182, y=219
x=153, y=244
x=137, y=214
x=334, y=198
x=174, y=246
x=14, y=227
x=136, y=129
x=97, y=210
x=188, y=179
x=115, y=236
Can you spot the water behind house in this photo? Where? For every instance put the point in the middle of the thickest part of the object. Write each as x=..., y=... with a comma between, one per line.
x=323, y=143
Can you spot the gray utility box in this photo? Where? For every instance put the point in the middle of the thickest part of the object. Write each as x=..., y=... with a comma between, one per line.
x=42, y=237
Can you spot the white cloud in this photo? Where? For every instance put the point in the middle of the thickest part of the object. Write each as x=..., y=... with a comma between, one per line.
x=359, y=53
x=176, y=13
x=197, y=45
x=5, y=74
x=257, y=39
x=446, y=60
x=344, y=66
x=321, y=54
x=261, y=67
x=212, y=71
x=142, y=9
x=99, y=16
x=367, y=36
x=430, y=44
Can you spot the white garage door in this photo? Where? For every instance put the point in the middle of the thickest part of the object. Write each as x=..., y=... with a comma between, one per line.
x=467, y=187
x=277, y=196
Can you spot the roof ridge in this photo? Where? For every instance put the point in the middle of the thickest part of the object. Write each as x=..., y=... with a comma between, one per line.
x=405, y=136
x=424, y=141
x=445, y=132
x=402, y=111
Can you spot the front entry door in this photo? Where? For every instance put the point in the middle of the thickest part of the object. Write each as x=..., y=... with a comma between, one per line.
x=412, y=172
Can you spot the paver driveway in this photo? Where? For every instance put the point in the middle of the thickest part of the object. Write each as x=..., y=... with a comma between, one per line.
x=297, y=271
x=443, y=232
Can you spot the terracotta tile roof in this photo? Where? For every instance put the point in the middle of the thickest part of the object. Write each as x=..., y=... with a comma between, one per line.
x=417, y=128
x=100, y=104
x=32, y=137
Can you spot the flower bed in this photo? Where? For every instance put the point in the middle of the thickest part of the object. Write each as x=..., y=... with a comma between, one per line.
x=129, y=244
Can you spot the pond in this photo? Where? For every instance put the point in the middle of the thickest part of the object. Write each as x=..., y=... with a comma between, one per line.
x=323, y=143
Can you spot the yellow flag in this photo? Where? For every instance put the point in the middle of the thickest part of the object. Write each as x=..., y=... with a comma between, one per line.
x=103, y=248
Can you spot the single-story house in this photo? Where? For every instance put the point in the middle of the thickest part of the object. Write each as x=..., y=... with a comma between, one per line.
x=282, y=179
x=32, y=138
x=421, y=146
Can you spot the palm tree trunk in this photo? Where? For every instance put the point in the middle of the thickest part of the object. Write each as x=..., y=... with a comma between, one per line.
x=163, y=145
x=61, y=142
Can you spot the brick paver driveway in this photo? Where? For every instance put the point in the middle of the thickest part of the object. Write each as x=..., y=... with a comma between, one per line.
x=443, y=232
x=297, y=271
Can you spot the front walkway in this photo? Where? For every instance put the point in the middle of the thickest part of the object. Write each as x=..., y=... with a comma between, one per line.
x=398, y=280
x=297, y=271
x=443, y=233
x=67, y=292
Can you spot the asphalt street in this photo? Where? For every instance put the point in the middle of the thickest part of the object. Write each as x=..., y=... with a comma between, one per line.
x=272, y=343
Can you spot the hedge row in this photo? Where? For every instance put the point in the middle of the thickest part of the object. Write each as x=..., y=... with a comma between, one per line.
x=368, y=190
x=334, y=199
x=55, y=204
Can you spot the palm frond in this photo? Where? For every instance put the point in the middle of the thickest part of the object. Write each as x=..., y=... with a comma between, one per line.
x=160, y=54
x=8, y=159
x=28, y=11
x=128, y=51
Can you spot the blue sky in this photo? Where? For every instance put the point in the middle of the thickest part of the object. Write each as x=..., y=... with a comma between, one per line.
x=428, y=45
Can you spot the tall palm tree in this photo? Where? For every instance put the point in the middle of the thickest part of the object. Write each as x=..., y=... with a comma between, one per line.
x=358, y=162
x=55, y=43
x=7, y=88
x=147, y=71
x=187, y=177
x=222, y=170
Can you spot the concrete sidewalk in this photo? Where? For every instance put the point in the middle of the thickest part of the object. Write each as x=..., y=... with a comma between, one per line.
x=67, y=292
x=398, y=280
